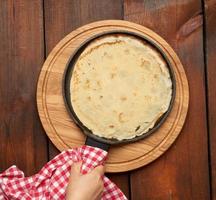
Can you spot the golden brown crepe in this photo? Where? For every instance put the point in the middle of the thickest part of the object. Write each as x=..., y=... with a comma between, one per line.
x=120, y=86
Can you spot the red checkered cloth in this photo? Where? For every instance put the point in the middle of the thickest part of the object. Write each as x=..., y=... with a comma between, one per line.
x=51, y=181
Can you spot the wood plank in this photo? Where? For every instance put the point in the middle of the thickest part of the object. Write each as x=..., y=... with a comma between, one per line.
x=210, y=39
x=122, y=181
x=23, y=141
x=182, y=172
x=62, y=17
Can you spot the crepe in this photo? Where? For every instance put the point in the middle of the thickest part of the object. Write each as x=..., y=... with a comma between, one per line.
x=120, y=86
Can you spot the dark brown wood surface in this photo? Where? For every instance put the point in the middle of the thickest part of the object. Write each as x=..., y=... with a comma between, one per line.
x=22, y=139
x=28, y=32
x=210, y=52
x=184, y=168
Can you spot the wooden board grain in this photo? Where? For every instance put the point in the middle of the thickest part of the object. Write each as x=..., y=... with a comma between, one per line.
x=62, y=17
x=181, y=173
x=210, y=41
x=22, y=139
x=64, y=133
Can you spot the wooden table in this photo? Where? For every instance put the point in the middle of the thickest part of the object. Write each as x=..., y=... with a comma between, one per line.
x=28, y=32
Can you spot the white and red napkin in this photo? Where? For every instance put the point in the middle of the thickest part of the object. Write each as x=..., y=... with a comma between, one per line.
x=51, y=181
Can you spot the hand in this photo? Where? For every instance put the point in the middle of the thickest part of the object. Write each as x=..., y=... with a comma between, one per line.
x=85, y=187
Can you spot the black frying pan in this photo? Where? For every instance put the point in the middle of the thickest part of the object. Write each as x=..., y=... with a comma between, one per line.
x=92, y=139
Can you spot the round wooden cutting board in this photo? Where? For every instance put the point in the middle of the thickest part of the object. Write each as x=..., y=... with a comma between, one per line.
x=65, y=134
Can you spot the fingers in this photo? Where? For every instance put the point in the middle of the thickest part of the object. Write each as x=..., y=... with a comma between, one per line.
x=75, y=169
x=98, y=170
x=100, y=191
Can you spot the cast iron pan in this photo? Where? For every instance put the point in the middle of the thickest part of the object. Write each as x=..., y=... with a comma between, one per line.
x=92, y=139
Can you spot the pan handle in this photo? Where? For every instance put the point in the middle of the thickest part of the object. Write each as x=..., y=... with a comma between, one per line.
x=91, y=142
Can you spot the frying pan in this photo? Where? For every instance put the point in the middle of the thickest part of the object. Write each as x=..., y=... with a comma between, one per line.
x=92, y=139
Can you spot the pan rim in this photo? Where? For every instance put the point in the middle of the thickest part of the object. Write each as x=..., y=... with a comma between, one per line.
x=66, y=91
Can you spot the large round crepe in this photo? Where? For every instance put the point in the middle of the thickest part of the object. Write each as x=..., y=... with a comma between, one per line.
x=120, y=87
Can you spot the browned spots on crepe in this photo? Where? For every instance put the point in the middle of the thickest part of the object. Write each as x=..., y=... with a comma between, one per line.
x=155, y=76
x=78, y=67
x=101, y=96
x=87, y=83
x=113, y=75
x=123, y=98
x=99, y=83
x=137, y=128
x=148, y=98
x=111, y=126
x=144, y=62
x=89, y=98
x=120, y=117
x=127, y=51
x=76, y=79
